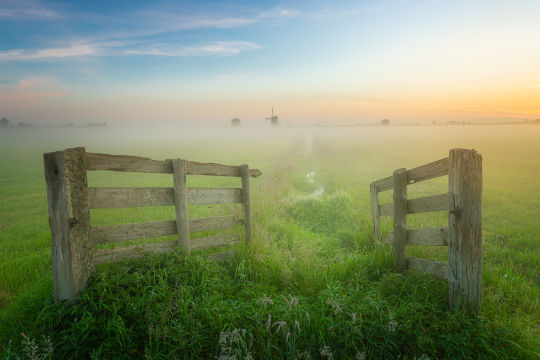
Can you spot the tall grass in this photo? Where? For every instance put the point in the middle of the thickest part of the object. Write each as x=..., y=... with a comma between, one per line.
x=314, y=286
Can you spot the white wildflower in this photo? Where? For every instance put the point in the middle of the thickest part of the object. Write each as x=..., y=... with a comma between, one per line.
x=48, y=346
x=360, y=356
x=392, y=325
x=335, y=305
x=30, y=347
x=326, y=352
x=291, y=301
x=265, y=300
x=303, y=355
x=280, y=325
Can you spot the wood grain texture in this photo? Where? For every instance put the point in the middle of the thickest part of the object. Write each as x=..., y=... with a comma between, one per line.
x=196, y=168
x=425, y=172
x=69, y=219
x=213, y=223
x=435, y=237
x=128, y=163
x=181, y=203
x=103, y=256
x=201, y=196
x=244, y=172
x=400, y=219
x=420, y=205
x=383, y=184
x=428, y=204
x=438, y=269
x=374, y=195
x=429, y=171
x=214, y=241
x=465, y=230
x=108, y=197
x=115, y=233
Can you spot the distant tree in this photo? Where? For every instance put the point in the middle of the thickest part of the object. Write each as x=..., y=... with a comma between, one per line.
x=4, y=122
x=21, y=124
x=385, y=122
x=235, y=121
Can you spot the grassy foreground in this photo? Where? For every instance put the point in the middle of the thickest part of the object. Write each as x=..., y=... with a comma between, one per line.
x=315, y=285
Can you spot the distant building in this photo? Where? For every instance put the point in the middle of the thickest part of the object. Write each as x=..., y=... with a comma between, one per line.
x=96, y=124
x=235, y=121
x=273, y=118
x=385, y=122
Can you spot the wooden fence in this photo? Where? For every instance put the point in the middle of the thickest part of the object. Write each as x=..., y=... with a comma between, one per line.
x=463, y=236
x=70, y=200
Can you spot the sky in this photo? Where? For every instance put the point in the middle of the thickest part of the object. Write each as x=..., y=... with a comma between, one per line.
x=201, y=62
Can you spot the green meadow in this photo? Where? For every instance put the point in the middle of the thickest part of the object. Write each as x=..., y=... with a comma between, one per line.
x=315, y=286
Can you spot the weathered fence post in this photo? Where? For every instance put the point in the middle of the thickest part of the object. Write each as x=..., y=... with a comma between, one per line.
x=400, y=218
x=465, y=230
x=244, y=173
x=69, y=219
x=375, y=213
x=181, y=203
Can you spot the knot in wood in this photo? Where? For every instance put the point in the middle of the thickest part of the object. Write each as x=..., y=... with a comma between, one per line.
x=73, y=222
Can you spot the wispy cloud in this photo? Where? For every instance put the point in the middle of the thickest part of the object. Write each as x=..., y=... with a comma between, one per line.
x=219, y=48
x=75, y=50
x=134, y=41
x=26, y=10
x=213, y=48
x=171, y=21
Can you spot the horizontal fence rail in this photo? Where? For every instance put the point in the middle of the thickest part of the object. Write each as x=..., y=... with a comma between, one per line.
x=462, y=235
x=420, y=205
x=103, y=256
x=105, y=198
x=115, y=233
x=425, y=172
x=126, y=163
x=70, y=201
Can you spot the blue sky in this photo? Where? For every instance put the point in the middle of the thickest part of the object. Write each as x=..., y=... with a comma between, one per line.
x=131, y=61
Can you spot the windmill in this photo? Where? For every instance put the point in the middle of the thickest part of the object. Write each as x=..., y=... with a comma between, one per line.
x=273, y=118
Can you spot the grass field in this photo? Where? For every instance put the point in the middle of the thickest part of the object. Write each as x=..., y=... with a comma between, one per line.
x=316, y=286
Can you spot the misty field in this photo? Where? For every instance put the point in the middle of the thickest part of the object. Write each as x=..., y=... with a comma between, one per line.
x=316, y=285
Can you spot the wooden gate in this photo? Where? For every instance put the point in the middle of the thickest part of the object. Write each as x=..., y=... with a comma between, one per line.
x=463, y=236
x=70, y=200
